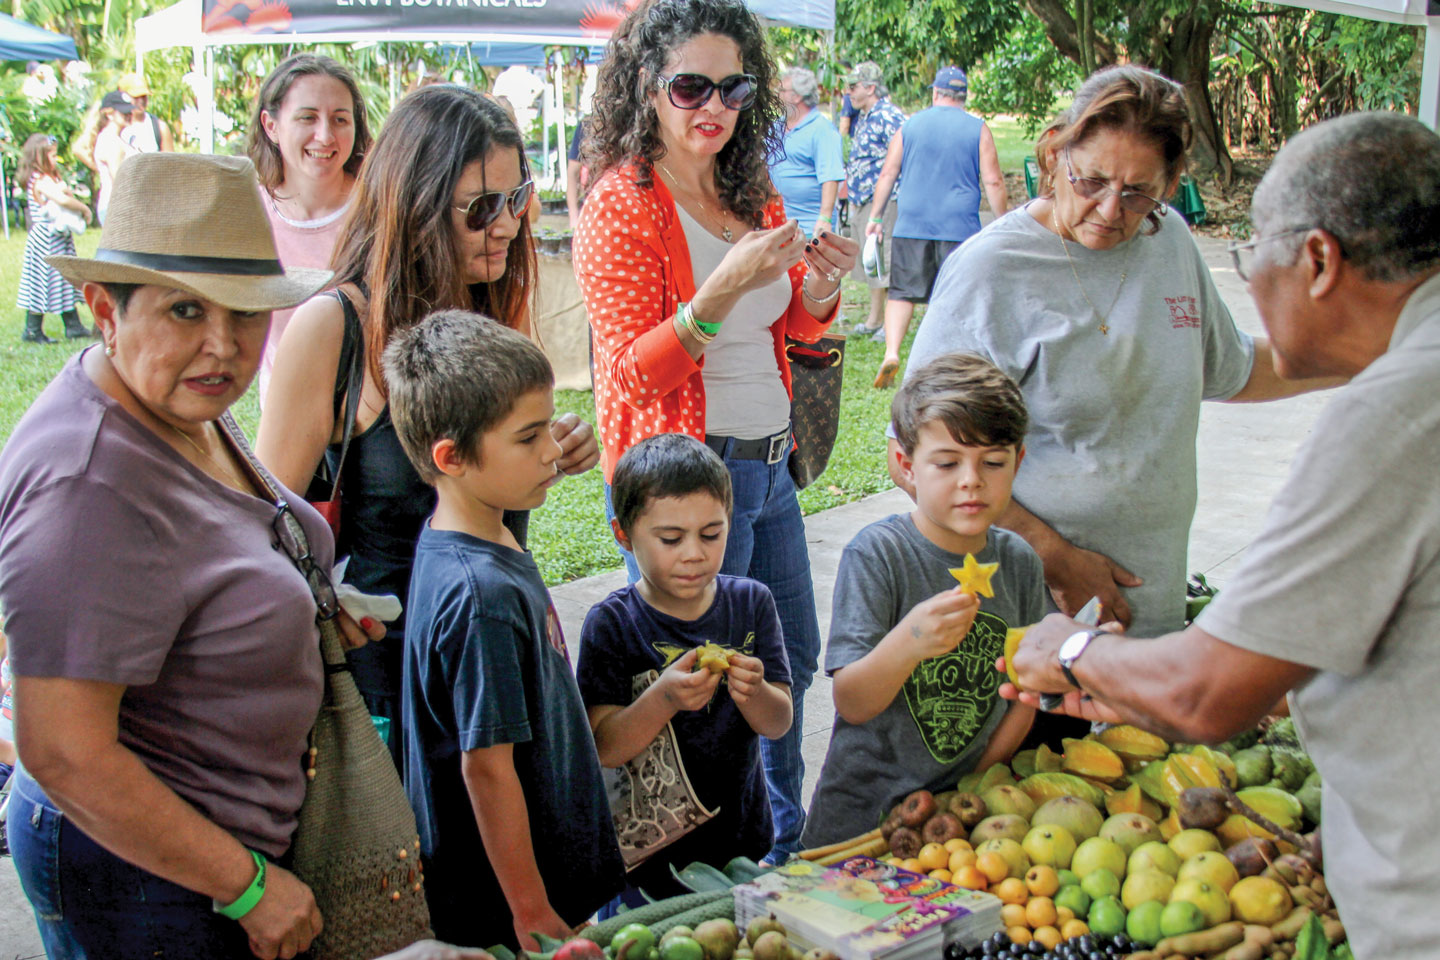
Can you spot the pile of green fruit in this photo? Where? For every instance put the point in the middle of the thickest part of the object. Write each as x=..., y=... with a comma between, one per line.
x=638, y=935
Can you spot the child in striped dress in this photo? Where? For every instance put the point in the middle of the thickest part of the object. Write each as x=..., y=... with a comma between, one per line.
x=42, y=289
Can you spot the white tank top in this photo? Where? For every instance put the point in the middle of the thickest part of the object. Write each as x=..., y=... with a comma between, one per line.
x=744, y=397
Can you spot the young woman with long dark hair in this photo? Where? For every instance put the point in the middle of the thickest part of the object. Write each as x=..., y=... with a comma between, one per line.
x=438, y=222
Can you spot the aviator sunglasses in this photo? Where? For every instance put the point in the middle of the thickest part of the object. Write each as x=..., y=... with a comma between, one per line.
x=1092, y=188
x=691, y=91
x=482, y=211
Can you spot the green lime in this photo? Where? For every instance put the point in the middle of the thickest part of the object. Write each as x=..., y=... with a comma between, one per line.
x=1107, y=916
x=1075, y=898
x=1143, y=923
x=644, y=940
x=1180, y=916
x=1068, y=878
x=681, y=948
x=1101, y=882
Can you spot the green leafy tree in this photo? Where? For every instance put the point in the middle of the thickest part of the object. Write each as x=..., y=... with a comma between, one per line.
x=1024, y=76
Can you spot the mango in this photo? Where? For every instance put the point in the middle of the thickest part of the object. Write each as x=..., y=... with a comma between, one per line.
x=1132, y=742
x=1048, y=786
x=1047, y=760
x=1237, y=828
x=1274, y=804
x=1091, y=758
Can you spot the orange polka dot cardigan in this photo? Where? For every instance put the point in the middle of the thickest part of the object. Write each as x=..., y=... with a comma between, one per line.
x=633, y=268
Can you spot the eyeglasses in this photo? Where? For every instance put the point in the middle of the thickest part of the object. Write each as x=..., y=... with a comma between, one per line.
x=320, y=586
x=482, y=211
x=1243, y=254
x=691, y=91
x=1133, y=201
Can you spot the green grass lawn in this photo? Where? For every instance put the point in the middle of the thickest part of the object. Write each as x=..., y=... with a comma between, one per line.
x=1011, y=143
x=568, y=534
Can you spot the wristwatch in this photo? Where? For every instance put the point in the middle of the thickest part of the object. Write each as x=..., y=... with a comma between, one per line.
x=1071, y=649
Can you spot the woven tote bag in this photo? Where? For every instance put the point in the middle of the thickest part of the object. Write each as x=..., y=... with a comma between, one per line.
x=356, y=845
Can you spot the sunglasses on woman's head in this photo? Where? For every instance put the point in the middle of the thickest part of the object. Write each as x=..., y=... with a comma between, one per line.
x=691, y=91
x=482, y=211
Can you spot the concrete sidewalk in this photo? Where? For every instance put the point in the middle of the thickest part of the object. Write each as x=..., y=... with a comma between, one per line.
x=1244, y=453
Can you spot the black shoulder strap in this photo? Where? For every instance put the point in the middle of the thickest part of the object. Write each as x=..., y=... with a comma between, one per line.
x=349, y=382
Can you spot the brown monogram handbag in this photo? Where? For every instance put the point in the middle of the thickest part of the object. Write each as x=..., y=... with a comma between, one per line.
x=816, y=374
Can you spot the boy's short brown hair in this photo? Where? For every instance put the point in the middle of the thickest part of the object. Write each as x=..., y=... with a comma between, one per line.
x=454, y=376
x=978, y=404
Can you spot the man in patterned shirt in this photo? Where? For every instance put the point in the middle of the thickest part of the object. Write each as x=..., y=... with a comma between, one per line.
x=878, y=121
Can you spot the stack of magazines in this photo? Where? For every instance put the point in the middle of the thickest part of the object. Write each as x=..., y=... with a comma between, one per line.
x=862, y=909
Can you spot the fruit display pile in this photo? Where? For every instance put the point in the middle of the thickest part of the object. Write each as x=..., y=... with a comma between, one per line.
x=1124, y=842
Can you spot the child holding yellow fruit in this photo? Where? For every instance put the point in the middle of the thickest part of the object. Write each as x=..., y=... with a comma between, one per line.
x=911, y=650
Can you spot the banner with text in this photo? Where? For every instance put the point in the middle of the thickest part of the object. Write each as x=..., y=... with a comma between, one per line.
x=521, y=18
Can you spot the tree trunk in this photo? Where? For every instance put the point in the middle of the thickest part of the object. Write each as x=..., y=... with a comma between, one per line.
x=1064, y=32
x=1183, y=55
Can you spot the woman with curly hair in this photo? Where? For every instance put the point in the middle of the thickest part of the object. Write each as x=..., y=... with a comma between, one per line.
x=693, y=278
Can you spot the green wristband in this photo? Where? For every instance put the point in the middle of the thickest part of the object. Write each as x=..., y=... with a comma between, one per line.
x=709, y=329
x=247, y=900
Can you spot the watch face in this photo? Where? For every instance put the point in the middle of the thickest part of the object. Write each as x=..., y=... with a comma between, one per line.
x=1074, y=645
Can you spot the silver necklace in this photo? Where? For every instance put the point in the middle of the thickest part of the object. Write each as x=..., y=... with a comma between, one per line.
x=1104, y=327
x=725, y=233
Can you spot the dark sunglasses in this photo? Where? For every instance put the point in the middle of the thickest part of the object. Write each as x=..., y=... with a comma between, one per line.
x=482, y=211
x=1093, y=189
x=691, y=91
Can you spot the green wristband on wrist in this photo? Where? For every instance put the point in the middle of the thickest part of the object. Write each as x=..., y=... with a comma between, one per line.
x=710, y=329
x=247, y=900
x=877, y=219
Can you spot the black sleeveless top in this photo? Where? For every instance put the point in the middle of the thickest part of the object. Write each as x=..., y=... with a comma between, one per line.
x=383, y=507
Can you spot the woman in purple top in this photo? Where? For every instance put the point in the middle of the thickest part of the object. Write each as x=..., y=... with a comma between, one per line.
x=166, y=658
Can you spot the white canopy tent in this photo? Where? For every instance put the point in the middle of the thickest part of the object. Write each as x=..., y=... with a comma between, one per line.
x=181, y=25
x=1422, y=13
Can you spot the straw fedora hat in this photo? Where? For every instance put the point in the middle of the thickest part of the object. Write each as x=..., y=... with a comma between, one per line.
x=193, y=222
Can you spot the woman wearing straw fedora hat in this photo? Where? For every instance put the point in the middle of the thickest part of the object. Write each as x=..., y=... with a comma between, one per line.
x=164, y=646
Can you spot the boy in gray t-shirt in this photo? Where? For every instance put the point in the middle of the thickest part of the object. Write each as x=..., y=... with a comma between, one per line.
x=912, y=652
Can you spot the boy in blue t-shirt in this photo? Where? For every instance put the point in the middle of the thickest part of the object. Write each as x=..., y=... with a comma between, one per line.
x=912, y=651
x=672, y=502
x=501, y=769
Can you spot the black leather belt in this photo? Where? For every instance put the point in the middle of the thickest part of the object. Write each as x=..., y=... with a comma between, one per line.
x=770, y=449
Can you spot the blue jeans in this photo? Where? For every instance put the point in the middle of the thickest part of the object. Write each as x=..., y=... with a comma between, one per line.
x=89, y=903
x=767, y=543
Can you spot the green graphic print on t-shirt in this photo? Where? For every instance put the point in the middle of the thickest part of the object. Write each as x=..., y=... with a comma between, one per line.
x=950, y=696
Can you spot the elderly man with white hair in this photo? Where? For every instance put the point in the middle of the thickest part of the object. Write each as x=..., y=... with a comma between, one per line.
x=808, y=170
x=1337, y=602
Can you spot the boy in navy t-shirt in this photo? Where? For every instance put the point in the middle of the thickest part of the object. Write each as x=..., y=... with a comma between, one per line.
x=672, y=502
x=515, y=830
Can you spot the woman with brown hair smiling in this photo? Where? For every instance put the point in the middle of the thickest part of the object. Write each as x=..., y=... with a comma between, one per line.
x=439, y=222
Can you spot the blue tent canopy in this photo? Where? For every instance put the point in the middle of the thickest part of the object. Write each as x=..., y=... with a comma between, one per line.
x=25, y=41
x=521, y=54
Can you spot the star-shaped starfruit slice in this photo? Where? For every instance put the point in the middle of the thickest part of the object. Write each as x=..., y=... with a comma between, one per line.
x=975, y=577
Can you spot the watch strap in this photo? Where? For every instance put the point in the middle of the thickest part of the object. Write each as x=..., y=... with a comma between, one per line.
x=247, y=900
x=1065, y=662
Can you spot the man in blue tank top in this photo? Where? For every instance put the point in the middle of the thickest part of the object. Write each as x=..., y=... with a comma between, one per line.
x=947, y=155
